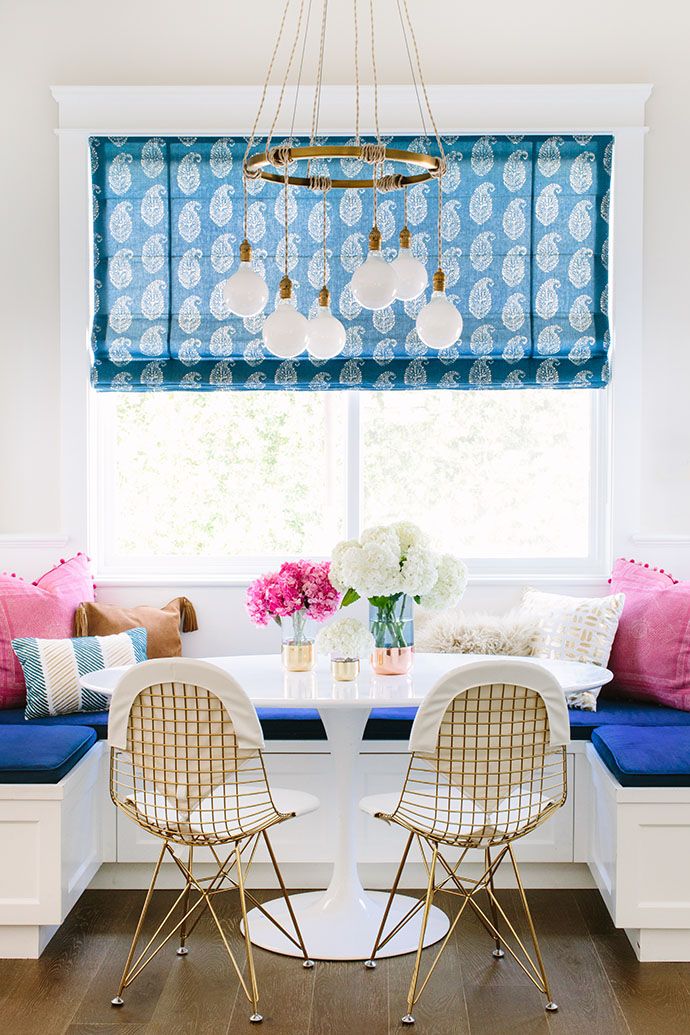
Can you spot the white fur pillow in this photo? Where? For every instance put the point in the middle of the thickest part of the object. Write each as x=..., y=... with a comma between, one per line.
x=454, y=632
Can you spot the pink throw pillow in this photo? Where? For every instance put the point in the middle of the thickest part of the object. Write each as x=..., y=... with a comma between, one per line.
x=650, y=657
x=44, y=609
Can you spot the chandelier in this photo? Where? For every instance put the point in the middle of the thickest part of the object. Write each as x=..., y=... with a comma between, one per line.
x=376, y=283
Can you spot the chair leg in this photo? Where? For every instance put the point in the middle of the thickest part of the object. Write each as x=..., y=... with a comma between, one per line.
x=183, y=950
x=498, y=951
x=551, y=1006
x=308, y=963
x=370, y=964
x=256, y=1017
x=118, y=1000
x=431, y=887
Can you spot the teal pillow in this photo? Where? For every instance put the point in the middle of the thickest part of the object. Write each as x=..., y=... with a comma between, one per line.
x=52, y=670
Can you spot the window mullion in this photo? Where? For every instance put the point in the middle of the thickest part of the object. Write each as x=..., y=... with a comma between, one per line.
x=354, y=466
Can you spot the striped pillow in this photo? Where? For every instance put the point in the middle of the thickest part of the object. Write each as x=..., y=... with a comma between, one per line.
x=52, y=669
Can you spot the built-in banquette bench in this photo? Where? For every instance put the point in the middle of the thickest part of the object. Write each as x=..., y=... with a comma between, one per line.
x=627, y=817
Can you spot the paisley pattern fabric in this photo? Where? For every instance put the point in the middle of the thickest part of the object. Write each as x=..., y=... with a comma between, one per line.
x=525, y=251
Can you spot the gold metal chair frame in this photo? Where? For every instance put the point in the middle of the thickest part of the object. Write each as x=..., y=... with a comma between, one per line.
x=256, y=165
x=491, y=738
x=181, y=742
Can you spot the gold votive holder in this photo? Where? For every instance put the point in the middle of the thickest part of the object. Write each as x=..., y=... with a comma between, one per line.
x=298, y=657
x=344, y=670
x=392, y=661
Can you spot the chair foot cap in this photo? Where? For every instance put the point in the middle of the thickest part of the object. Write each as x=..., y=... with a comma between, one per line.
x=408, y=1019
x=370, y=964
x=117, y=1001
x=308, y=964
x=498, y=954
x=552, y=1007
x=256, y=1018
x=182, y=951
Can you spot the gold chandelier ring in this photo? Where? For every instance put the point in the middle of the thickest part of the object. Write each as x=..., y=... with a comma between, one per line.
x=259, y=165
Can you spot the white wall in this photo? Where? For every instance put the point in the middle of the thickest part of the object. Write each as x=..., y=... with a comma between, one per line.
x=166, y=41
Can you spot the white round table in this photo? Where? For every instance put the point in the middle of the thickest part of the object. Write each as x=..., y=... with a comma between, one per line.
x=341, y=922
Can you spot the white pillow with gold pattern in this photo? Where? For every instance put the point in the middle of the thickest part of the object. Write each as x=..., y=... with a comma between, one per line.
x=574, y=629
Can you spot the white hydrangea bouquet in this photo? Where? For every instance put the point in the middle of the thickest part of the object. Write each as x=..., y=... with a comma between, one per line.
x=346, y=640
x=391, y=566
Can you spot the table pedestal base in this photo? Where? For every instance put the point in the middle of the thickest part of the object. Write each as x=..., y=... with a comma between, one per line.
x=332, y=932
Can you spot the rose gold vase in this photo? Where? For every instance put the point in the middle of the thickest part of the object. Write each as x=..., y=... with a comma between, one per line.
x=392, y=661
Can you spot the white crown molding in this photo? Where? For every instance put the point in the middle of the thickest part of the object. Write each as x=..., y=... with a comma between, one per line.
x=458, y=109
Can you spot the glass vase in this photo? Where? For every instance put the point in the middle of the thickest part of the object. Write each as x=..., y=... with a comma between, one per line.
x=298, y=650
x=392, y=626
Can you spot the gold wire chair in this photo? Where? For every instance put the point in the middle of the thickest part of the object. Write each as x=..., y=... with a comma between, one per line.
x=488, y=765
x=186, y=765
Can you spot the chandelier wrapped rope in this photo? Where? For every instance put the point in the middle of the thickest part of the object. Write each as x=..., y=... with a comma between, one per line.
x=376, y=283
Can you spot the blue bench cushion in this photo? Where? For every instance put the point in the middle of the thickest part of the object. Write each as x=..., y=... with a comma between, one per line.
x=41, y=755
x=615, y=712
x=387, y=723
x=646, y=756
x=97, y=721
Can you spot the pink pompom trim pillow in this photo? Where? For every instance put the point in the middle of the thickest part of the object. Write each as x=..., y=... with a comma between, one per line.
x=44, y=609
x=650, y=658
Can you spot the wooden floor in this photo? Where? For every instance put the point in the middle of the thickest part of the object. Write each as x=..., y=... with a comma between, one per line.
x=600, y=987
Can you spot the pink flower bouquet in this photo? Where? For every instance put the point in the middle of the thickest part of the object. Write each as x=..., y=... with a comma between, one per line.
x=298, y=590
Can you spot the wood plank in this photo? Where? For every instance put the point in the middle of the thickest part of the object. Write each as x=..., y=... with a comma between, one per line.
x=600, y=986
x=654, y=997
x=141, y=997
x=573, y=965
x=441, y=1008
x=53, y=986
x=286, y=989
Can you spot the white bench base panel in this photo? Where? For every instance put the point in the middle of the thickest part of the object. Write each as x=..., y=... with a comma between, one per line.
x=633, y=844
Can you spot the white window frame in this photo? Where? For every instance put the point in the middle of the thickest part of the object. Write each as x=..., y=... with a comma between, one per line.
x=244, y=568
x=616, y=109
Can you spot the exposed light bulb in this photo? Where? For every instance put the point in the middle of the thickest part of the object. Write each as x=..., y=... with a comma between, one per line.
x=245, y=293
x=439, y=324
x=286, y=331
x=326, y=333
x=411, y=277
x=373, y=284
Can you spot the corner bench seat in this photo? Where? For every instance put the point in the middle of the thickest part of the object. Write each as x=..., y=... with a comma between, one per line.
x=651, y=756
x=42, y=755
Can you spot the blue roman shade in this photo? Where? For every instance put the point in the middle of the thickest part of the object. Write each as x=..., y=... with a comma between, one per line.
x=525, y=251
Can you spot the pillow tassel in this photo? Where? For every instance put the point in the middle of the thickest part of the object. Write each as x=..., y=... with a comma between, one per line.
x=81, y=622
x=189, y=620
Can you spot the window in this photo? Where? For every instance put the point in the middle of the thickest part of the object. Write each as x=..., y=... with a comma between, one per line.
x=512, y=481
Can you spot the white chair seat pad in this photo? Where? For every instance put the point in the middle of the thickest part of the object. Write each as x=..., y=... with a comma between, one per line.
x=222, y=816
x=453, y=817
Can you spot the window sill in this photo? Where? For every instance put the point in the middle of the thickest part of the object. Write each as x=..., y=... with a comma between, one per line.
x=556, y=580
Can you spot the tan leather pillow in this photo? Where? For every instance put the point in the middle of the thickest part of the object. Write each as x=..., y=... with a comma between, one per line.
x=162, y=624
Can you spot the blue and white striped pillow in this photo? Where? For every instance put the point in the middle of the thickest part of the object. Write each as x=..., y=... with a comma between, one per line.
x=52, y=669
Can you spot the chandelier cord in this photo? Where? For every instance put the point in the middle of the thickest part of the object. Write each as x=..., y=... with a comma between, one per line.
x=424, y=89
x=287, y=74
x=316, y=108
x=285, y=189
x=375, y=73
x=299, y=71
x=440, y=217
x=354, y=11
x=412, y=70
x=267, y=79
x=325, y=266
x=262, y=101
